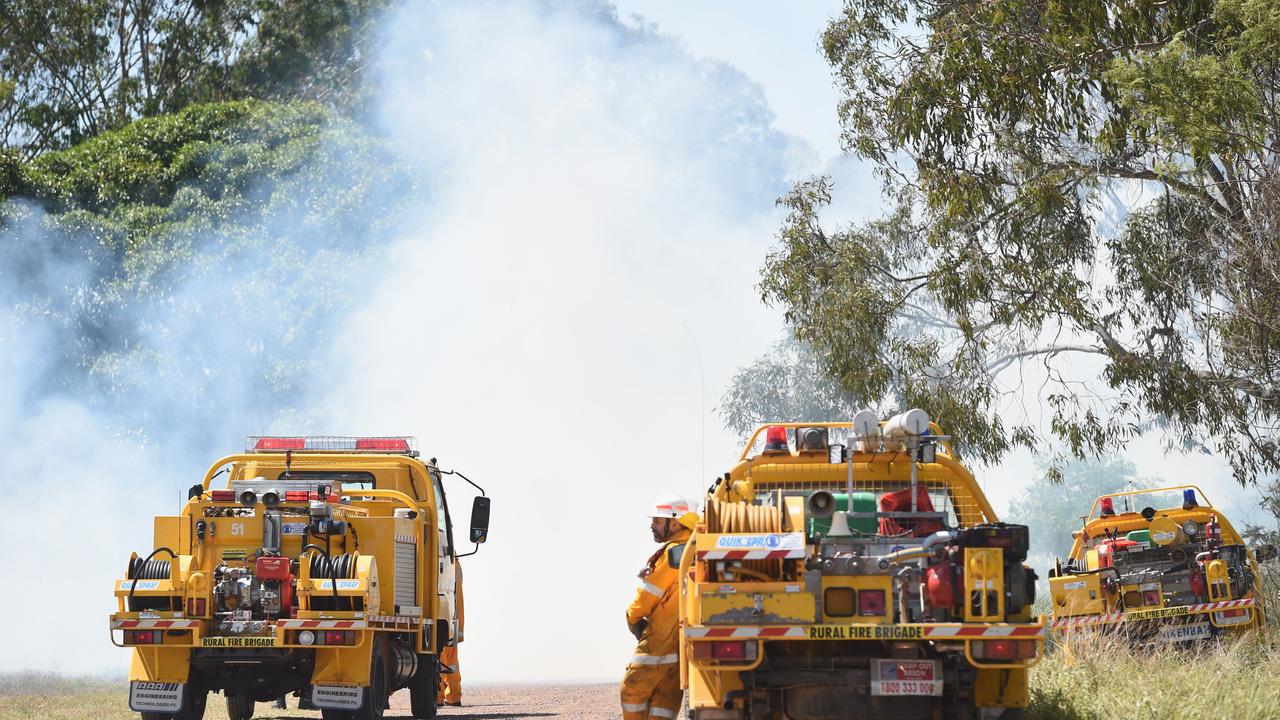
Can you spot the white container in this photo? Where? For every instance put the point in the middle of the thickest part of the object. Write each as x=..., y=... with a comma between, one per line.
x=914, y=422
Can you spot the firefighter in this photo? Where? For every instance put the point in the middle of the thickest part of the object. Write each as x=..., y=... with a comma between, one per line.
x=451, y=682
x=651, y=686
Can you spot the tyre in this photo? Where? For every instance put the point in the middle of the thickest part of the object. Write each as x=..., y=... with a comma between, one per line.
x=375, y=697
x=239, y=707
x=424, y=687
x=335, y=715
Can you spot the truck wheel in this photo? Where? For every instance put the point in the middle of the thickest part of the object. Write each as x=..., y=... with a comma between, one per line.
x=239, y=707
x=424, y=687
x=375, y=700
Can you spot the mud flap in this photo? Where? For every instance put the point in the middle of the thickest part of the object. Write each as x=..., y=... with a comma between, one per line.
x=337, y=697
x=160, y=697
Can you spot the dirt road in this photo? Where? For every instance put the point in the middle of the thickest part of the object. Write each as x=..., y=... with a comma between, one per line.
x=97, y=700
x=579, y=702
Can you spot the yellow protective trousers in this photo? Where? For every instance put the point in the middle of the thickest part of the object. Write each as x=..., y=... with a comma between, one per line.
x=450, y=683
x=651, y=689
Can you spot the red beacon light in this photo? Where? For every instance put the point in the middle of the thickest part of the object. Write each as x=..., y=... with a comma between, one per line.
x=1108, y=507
x=775, y=439
x=280, y=443
x=384, y=444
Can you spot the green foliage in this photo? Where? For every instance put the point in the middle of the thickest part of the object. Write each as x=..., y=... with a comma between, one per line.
x=1053, y=503
x=788, y=384
x=259, y=206
x=71, y=69
x=1004, y=131
x=149, y=192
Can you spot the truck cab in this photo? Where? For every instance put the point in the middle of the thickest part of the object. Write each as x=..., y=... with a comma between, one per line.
x=318, y=565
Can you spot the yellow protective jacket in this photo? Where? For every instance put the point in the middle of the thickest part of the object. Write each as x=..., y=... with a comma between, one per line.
x=657, y=601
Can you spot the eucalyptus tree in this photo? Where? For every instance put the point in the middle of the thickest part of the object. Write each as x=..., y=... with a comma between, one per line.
x=1004, y=131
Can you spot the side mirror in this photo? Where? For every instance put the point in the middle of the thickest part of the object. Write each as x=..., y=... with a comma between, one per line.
x=674, y=555
x=480, y=520
x=1265, y=552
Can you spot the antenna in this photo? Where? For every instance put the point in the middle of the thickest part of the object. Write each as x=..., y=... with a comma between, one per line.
x=702, y=404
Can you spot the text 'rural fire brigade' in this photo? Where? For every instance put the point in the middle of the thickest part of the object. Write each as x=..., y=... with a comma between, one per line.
x=855, y=565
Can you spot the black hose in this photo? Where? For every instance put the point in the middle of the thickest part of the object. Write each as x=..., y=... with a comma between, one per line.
x=329, y=564
x=133, y=571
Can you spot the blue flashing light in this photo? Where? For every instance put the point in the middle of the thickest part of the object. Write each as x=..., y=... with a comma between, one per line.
x=1189, y=498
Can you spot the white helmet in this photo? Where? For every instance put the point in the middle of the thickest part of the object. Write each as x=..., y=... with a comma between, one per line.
x=675, y=507
x=669, y=506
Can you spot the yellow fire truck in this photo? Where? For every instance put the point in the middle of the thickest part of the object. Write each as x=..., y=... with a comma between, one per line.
x=855, y=570
x=1163, y=566
x=324, y=566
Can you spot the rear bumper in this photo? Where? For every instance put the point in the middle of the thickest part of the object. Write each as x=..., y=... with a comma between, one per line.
x=933, y=632
x=1215, y=612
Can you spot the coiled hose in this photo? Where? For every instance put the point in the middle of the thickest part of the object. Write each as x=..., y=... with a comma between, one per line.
x=740, y=517
x=149, y=569
x=344, y=568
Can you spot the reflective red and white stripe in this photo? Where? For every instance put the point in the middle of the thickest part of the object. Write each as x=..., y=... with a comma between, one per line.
x=985, y=631
x=294, y=624
x=1224, y=605
x=740, y=631
x=154, y=624
x=1085, y=620
x=932, y=631
x=795, y=554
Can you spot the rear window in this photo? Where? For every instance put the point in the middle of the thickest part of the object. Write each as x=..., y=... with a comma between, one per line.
x=349, y=480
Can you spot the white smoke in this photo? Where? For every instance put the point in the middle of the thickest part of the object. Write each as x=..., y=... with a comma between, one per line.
x=608, y=205
x=572, y=288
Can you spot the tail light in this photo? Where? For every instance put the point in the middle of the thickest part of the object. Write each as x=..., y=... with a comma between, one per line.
x=143, y=637
x=339, y=637
x=871, y=602
x=1003, y=649
x=223, y=495
x=726, y=650
x=1150, y=597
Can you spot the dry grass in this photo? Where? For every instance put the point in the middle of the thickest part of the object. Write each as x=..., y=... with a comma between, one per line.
x=43, y=696
x=1104, y=678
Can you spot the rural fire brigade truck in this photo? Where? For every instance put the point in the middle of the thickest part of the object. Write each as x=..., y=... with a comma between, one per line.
x=855, y=570
x=323, y=566
x=1161, y=566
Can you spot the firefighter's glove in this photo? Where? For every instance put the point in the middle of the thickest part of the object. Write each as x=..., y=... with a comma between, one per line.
x=638, y=628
